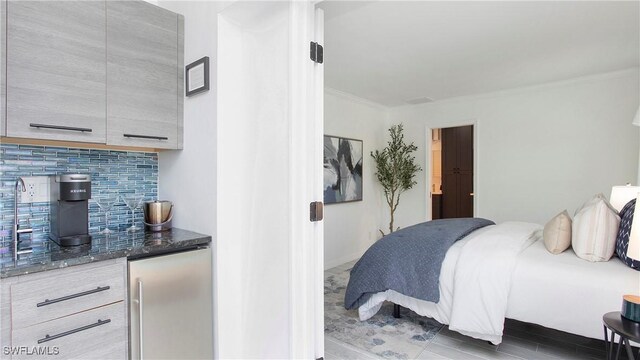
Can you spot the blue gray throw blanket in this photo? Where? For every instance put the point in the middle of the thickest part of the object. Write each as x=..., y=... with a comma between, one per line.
x=408, y=261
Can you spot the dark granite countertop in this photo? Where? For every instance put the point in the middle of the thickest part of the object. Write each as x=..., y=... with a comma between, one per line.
x=48, y=255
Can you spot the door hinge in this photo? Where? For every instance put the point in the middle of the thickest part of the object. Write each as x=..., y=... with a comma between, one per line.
x=316, y=211
x=316, y=52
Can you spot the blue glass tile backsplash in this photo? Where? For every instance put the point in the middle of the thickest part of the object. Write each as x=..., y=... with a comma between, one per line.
x=112, y=172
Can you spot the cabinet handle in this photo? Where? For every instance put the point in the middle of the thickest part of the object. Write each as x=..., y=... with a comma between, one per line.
x=82, y=328
x=69, y=297
x=60, y=127
x=146, y=137
x=140, y=321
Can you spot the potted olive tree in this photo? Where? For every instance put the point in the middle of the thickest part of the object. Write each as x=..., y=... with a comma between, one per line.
x=395, y=169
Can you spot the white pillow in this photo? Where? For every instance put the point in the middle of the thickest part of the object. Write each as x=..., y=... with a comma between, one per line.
x=557, y=233
x=595, y=227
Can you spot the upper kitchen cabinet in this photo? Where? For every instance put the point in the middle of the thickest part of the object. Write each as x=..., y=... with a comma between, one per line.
x=56, y=70
x=144, y=75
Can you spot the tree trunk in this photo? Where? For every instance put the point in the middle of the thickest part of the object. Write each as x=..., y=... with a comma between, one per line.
x=391, y=210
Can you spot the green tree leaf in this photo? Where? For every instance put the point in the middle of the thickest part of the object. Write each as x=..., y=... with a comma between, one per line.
x=395, y=169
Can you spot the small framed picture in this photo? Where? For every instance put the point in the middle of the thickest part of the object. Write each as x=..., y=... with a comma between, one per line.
x=197, y=76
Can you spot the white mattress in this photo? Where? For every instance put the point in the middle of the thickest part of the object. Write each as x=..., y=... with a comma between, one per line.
x=567, y=293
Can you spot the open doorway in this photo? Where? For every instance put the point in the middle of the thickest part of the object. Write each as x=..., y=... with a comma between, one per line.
x=451, y=182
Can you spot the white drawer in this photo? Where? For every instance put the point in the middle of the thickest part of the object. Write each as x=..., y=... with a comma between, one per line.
x=64, y=292
x=95, y=334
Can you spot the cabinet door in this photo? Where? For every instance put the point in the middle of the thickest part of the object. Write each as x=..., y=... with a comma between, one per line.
x=142, y=75
x=56, y=71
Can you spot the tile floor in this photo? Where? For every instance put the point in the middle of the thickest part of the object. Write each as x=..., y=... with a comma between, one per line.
x=416, y=337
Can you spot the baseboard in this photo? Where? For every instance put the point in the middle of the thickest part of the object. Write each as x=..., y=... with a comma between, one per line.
x=329, y=264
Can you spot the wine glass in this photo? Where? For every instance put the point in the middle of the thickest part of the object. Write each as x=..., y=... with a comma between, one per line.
x=133, y=202
x=106, y=203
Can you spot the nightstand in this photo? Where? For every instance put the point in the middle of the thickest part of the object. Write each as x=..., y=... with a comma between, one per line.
x=626, y=329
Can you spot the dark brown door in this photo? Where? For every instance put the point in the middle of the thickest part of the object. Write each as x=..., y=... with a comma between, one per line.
x=449, y=150
x=449, y=195
x=465, y=195
x=449, y=173
x=436, y=206
x=464, y=148
x=457, y=172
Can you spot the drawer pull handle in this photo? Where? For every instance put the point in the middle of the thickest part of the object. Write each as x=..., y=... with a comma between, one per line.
x=60, y=127
x=145, y=137
x=82, y=328
x=69, y=297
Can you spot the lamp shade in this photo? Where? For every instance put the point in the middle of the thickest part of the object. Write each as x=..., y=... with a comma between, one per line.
x=633, y=250
x=621, y=195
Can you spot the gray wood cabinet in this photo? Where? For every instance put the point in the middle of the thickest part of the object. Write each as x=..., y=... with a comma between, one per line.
x=144, y=75
x=84, y=305
x=104, y=341
x=56, y=70
x=107, y=72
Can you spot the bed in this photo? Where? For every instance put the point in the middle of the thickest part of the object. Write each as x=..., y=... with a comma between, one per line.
x=504, y=271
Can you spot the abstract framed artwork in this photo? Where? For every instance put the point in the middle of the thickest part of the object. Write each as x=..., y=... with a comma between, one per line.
x=342, y=169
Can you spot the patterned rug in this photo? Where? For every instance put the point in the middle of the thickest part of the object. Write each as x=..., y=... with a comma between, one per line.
x=382, y=335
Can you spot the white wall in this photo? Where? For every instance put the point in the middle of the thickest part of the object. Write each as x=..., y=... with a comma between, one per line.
x=350, y=228
x=188, y=177
x=541, y=149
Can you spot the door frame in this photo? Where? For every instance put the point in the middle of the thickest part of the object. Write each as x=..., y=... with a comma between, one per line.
x=439, y=124
x=307, y=237
x=298, y=304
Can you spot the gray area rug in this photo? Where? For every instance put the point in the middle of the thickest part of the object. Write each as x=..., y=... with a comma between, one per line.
x=382, y=335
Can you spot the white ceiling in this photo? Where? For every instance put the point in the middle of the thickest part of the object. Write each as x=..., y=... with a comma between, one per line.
x=390, y=52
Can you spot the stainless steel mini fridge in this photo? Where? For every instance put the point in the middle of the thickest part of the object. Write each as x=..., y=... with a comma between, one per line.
x=170, y=306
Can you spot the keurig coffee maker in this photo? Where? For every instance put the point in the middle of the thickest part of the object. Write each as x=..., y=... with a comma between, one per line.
x=70, y=194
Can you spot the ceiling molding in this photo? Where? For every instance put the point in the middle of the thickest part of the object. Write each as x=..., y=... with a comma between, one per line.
x=354, y=98
x=525, y=89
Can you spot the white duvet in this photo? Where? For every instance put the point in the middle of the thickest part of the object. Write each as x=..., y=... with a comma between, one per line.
x=567, y=293
x=475, y=280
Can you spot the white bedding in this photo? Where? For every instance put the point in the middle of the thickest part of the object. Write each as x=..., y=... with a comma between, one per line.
x=561, y=291
x=440, y=311
x=567, y=293
x=477, y=270
x=483, y=278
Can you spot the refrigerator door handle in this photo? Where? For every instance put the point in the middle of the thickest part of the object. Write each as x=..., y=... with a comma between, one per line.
x=140, y=322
